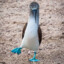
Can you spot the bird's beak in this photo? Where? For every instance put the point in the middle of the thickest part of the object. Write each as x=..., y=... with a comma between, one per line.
x=34, y=12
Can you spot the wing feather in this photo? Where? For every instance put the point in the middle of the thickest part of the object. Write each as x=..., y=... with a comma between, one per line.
x=24, y=30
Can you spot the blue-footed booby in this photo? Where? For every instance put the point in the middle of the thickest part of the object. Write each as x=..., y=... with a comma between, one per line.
x=32, y=34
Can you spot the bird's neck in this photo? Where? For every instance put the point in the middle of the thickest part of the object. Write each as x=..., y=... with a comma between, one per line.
x=32, y=18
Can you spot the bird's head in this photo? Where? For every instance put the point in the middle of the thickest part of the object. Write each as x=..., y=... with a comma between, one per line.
x=34, y=11
x=34, y=6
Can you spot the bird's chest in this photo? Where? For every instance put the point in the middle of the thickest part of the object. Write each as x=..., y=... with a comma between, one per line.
x=30, y=39
x=31, y=30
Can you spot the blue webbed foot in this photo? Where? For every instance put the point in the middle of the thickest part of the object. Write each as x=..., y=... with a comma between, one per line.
x=34, y=60
x=17, y=50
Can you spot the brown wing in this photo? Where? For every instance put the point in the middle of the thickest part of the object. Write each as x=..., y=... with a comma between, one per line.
x=39, y=35
x=24, y=30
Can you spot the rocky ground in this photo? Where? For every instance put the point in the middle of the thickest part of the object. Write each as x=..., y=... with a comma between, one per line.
x=13, y=16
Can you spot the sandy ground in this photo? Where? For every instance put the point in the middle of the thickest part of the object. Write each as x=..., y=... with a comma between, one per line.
x=13, y=16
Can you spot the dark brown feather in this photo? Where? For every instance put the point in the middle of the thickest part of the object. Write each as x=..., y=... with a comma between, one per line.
x=24, y=30
x=39, y=33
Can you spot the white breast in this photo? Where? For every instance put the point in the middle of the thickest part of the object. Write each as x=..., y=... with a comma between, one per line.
x=30, y=39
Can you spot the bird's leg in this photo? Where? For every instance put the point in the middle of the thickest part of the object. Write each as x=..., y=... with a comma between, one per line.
x=17, y=50
x=34, y=58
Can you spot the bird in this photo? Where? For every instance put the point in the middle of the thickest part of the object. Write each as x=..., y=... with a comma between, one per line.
x=32, y=33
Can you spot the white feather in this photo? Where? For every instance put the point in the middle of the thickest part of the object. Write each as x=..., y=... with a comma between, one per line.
x=30, y=39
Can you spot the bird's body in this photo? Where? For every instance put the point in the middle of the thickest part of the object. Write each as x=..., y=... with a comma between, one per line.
x=30, y=39
x=32, y=34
